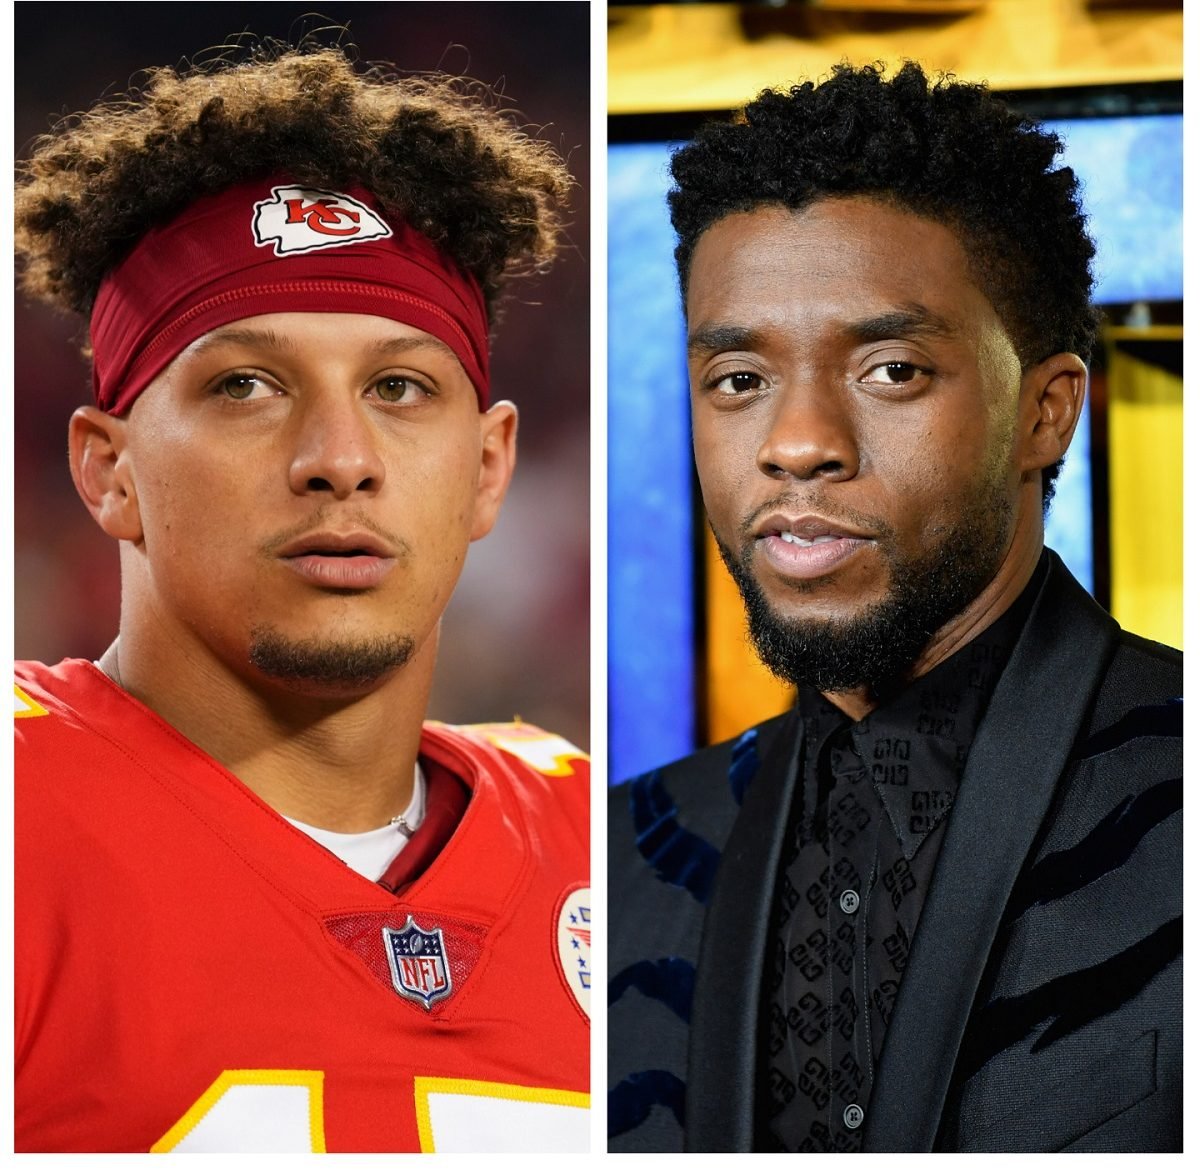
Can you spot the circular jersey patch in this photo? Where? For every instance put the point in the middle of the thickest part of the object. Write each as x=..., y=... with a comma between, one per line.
x=574, y=935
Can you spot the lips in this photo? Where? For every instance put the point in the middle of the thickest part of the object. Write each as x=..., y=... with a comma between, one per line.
x=807, y=527
x=339, y=560
x=355, y=542
x=805, y=547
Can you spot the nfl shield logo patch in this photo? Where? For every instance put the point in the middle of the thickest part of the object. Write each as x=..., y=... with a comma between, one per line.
x=417, y=959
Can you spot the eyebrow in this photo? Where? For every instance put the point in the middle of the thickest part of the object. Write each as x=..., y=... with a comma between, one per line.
x=907, y=321
x=915, y=321
x=386, y=346
x=709, y=339
x=269, y=339
x=231, y=335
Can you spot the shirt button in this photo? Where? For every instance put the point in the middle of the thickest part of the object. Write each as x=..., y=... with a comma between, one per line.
x=849, y=901
x=853, y=1117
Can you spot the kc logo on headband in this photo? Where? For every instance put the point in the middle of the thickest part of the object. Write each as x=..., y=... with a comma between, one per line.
x=304, y=219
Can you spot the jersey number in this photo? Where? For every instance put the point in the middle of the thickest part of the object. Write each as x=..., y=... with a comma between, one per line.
x=270, y=1110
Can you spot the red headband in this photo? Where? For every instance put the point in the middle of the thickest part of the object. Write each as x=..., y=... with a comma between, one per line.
x=274, y=247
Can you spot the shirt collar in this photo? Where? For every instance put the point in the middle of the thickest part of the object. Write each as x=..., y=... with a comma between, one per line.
x=914, y=746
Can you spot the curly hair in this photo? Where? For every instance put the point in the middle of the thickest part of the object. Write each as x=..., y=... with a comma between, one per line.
x=945, y=150
x=435, y=150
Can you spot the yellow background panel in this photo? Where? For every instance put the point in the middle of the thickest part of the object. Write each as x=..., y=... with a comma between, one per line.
x=667, y=58
x=1145, y=450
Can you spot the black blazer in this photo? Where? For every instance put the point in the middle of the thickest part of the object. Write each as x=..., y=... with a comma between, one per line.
x=1041, y=1008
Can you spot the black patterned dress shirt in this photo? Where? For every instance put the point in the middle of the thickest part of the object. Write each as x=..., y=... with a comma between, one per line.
x=865, y=829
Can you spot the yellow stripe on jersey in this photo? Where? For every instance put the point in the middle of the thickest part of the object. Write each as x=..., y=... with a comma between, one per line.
x=24, y=707
x=550, y=754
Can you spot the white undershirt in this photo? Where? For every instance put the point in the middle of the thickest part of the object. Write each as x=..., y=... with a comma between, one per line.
x=370, y=853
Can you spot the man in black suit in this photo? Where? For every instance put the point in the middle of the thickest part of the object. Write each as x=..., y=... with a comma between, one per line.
x=937, y=905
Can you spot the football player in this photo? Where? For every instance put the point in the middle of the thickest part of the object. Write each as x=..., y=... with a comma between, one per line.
x=261, y=905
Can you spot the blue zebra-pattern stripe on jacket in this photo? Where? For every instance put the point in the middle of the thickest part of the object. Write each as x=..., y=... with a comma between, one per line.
x=1073, y=999
x=683, y=859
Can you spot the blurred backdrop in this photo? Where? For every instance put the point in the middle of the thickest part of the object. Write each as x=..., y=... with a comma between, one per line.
x=1107, y=75
x=515, y=638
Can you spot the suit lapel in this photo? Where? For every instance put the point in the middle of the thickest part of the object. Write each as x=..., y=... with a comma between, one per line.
x=724, y=1024
x=1015, y=763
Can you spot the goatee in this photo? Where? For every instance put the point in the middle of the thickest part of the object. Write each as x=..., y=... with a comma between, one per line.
x=878, y=647
x=326, y=664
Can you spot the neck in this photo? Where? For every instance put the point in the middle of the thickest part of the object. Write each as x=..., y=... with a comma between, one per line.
x=342, y=763
x=1005, y=587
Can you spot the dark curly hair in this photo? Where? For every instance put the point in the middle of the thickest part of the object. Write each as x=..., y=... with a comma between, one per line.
x=434, y=150
x=945, y=150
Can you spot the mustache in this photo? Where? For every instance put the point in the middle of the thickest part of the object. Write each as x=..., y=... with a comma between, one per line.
x=322, y=517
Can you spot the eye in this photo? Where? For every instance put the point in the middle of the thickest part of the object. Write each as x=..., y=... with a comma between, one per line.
x=895, y=373
x=399, y=388
x=241, y=386
x=742, y=382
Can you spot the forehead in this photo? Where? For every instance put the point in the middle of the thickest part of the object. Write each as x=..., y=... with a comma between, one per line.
x=324, y=334
x=835, y=259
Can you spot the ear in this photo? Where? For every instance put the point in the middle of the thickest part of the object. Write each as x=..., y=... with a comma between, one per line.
x=1051, y=403
x=101, y=470
x=498, y=457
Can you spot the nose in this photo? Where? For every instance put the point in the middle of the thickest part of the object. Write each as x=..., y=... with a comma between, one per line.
x=811, y=435
x=336, y=447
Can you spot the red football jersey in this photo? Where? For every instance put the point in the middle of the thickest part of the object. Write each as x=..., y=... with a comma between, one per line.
x=193, y=973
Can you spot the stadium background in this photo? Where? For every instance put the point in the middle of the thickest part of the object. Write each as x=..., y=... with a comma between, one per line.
x=515, y=638
x=1108, y=74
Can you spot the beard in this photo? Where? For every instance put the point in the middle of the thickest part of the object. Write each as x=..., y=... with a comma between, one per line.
x=322, y=664
x=878, y=647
